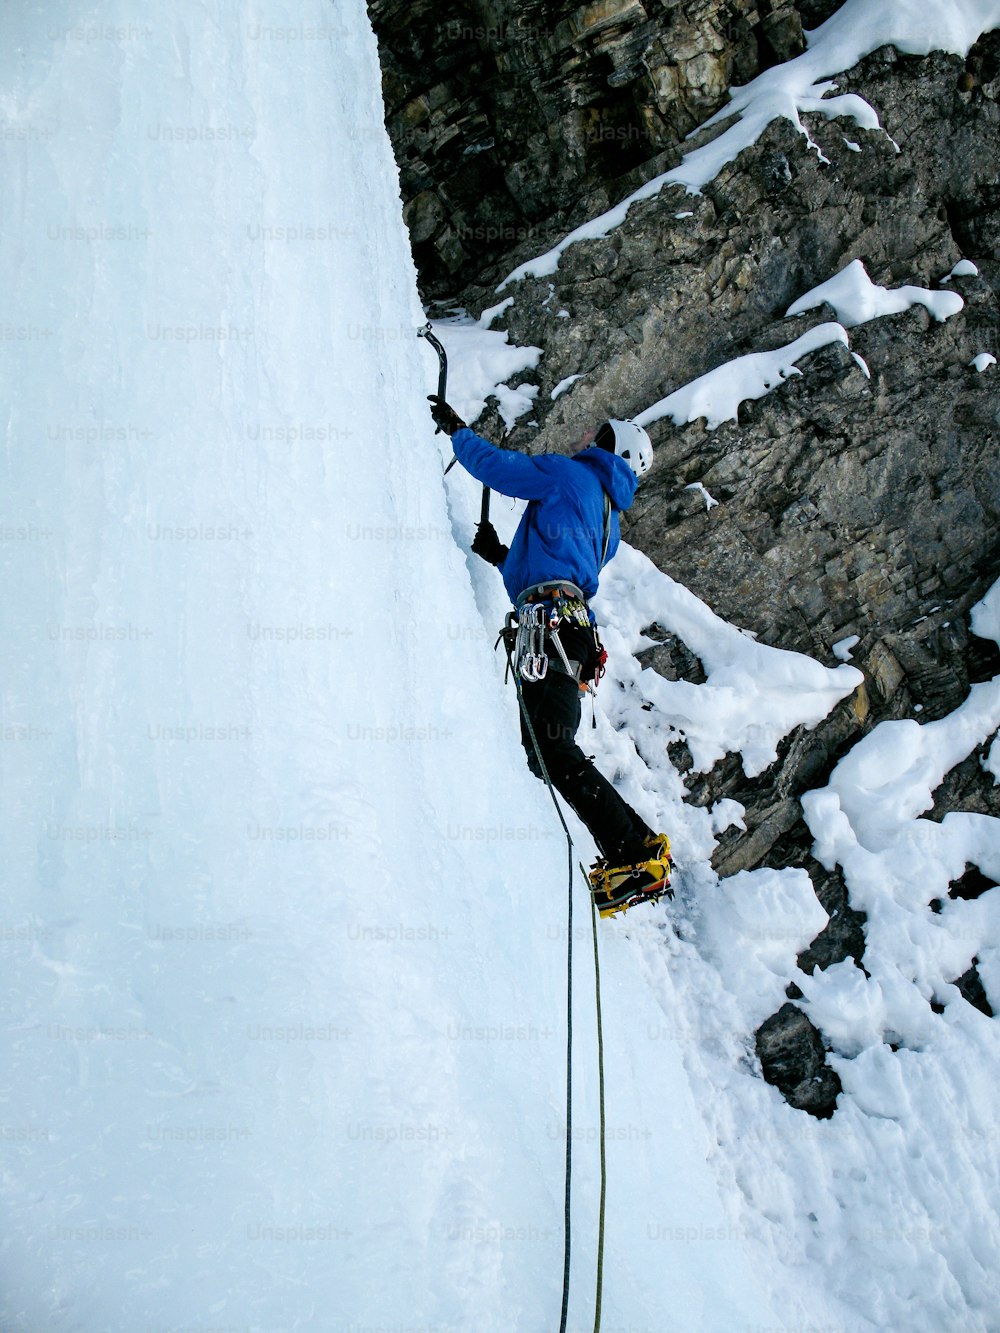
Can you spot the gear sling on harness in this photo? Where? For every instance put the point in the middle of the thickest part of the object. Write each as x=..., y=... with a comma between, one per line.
x=542, y=611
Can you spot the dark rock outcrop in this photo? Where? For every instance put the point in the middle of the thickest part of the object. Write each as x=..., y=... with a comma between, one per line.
x=792, y=1057
x=514, y=120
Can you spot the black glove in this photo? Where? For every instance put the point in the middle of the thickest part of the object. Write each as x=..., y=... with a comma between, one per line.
x=445, y=417
x=487, y=544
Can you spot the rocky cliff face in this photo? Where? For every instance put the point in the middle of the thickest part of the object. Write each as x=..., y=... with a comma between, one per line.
x=511, y=115
x=853, y=500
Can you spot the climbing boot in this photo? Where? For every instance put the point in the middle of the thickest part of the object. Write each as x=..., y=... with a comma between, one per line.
x=617, y=888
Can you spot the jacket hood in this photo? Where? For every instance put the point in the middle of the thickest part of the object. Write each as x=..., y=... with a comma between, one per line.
x=614, y=474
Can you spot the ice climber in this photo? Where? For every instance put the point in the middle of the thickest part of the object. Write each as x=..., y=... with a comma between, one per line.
x=567, y=533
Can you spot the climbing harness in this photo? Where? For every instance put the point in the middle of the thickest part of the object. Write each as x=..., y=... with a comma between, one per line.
x=532, y=630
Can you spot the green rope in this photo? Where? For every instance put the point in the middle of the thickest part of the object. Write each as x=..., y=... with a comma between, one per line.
x=600, y=1084
x=567, y=1219
x=567, y=1215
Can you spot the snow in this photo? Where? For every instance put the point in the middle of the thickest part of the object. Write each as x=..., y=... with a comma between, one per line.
x=480, y=362
x=284, y=947
x=985, y=616
x=842, y=648
x=727, y=813
x=965, y=268
x=754, y=694
x=777, y=914
x=494, y=312
x=894, y=1169
x=710, y=501
x=563, y=385
x=717, y=395
x=855, y=299
x=926, y=1072
x=889, y=777
x=982, y=361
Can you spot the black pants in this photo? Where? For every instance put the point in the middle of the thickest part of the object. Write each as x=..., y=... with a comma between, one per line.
x=554, y=705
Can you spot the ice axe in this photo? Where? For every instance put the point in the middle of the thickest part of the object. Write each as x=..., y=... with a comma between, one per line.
x=428, y=333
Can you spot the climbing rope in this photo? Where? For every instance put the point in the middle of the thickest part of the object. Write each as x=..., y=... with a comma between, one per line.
x=600, y=1093
x=567, y=1219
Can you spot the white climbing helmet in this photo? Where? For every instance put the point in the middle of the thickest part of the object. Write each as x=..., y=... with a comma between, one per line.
x=628, y=441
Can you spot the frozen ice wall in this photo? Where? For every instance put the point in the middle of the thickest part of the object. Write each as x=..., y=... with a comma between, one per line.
x=283, y=939
x=240, y=971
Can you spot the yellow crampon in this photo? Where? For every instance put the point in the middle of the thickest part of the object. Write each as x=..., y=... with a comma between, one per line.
x=617, y=888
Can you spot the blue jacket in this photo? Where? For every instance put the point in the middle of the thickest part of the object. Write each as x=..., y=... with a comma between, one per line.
x=562, y=530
